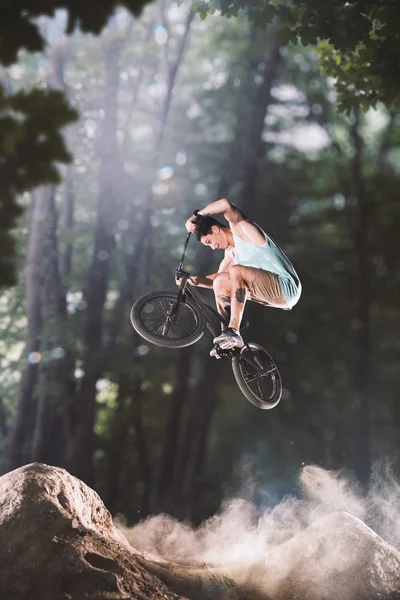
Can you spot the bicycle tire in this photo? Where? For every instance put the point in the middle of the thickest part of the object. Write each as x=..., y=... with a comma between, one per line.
x=241, y=366
x=139, y=322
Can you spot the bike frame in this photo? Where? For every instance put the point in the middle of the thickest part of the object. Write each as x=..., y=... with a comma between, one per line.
x=186, y=289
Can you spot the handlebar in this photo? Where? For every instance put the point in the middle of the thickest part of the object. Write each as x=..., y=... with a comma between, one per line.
x=198, y=218
x=184, y=251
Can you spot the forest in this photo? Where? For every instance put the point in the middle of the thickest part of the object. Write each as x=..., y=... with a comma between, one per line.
x=174, y=111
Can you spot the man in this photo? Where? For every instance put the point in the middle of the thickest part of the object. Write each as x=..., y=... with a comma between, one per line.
x=253, y=268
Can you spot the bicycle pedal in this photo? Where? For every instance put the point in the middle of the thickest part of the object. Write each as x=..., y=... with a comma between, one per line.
x=223, y=353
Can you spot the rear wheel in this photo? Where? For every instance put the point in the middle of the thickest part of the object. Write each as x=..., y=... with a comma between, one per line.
x=159, y=320
x=257, y=376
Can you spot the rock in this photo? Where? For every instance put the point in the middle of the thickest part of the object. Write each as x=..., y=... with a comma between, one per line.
x=203, y=582
x=58, y=542
x=336, y=557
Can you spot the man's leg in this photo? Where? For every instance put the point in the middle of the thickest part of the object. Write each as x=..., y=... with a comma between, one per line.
x=248, y=283
x=239, y=280
x=222, y=291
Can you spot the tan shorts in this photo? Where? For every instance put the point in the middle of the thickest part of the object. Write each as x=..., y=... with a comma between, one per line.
x=265, y=288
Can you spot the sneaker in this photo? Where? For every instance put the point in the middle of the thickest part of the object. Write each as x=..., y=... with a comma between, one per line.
x=229, y=338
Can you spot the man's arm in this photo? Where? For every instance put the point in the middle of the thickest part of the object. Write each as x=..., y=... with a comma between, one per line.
x=238, y=222
x=223, y=207
x=208, y=280
x=225, y=263
x=205, y=281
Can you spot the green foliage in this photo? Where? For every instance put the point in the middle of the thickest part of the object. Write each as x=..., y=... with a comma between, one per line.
x=31, y=140
x=31, y=143
x=359, y=42
x=19, y=27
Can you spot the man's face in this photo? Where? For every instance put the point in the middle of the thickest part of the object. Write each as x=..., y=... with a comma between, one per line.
x=216, y=240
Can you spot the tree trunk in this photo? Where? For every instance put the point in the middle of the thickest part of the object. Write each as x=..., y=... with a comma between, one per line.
x=141, y=448
x=191, y=449
x=67, y=225
x=201, y=420
x=359, y=438
x=3, y=420
x=133, y=263
x=20, y=437
x=117, y=445
x=254, y=145
x=53, y=425
x=240, y=166
x=172, y=430
x=80, y=451
x=172, y=71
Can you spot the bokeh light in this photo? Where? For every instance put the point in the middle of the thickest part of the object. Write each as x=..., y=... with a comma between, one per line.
x=181, y=159
x=165, y=173
x=161, y=35
x=167, y=388
x=34, y=358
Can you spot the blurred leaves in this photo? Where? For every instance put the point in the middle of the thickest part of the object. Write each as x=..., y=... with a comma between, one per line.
x=31, y=143
x=18, y=28
x=363, y=53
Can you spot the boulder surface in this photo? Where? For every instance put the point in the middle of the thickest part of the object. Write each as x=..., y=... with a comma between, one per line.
x=58, y=542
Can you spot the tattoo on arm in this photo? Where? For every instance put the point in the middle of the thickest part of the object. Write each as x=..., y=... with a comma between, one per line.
x=224, y=299
x=240, y=295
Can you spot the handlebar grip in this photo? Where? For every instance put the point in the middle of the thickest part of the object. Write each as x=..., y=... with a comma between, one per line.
x=197, y=216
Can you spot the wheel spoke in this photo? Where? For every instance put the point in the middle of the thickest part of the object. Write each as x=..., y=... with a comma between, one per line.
x=182, y=325
x=258, y=372
x=163, y=309
x=157, y=320
x=161, y=326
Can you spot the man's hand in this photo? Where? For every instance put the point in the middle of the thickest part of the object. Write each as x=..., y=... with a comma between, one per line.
x=190, y=224
x=178, y=281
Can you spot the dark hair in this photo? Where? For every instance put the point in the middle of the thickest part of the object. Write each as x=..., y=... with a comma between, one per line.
x=204, y=225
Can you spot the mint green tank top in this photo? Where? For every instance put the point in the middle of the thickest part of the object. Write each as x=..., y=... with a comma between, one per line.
x=270, y=257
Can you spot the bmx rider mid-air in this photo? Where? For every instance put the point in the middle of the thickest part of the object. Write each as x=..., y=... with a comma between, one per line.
x=253, y=268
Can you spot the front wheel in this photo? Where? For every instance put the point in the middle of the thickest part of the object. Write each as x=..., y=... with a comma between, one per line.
x=257, y=376
x=161, y=320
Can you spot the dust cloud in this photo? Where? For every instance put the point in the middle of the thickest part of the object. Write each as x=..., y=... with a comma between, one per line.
x=242, y=539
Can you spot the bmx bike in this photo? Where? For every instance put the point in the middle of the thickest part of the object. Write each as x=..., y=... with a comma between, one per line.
x=177, y=320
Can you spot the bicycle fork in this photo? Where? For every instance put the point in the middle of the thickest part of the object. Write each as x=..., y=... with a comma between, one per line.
x=173, y=307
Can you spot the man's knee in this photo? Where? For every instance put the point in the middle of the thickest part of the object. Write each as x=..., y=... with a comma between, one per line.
x=236, y=272
x=221, y=282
